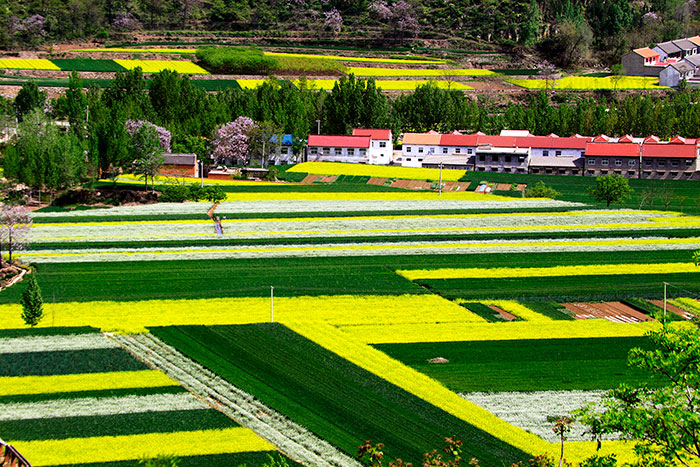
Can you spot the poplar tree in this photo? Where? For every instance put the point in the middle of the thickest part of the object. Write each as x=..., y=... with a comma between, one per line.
x=32, y=303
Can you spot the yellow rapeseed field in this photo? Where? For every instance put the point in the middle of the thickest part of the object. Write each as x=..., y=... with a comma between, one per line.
x=580, y=270
x=384, y=84
x=347, y=58
x=132, y=447
x=14, y=385
x=589, y=82
x=155, y=66
x=383, y=171
x=27, y=64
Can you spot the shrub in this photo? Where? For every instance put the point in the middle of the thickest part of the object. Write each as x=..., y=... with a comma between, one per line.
x=173, y=193
x=236, y=60
x=540, y=190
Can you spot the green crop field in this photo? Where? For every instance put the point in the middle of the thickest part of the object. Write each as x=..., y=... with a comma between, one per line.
x=524, y=365
x=84, y=64
x=333, y=398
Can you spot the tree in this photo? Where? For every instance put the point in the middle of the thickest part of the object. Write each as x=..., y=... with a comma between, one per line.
x=15, y=223
x=265, y=137
x=147, y=152
x=29, y=98
x=561, y=427
x=232, y=141
x=664, y=418
x=540, y=190
x=611, y=189
x=32, y=303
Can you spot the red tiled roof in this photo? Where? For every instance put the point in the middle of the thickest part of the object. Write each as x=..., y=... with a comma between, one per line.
x=374, y=133
x=612, y=149
x=685, y=151
x=421, y=138
x=626, y=139
x=555, y=142
x=458, y=140
x=498, y=141
x=601, y=138
x=646, y=52
x=678, y=140
x=339, y=141
x=651, y=139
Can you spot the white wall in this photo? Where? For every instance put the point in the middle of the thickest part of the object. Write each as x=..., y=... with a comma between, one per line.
x=553, y=152
x=357, y=155
x=379, y=155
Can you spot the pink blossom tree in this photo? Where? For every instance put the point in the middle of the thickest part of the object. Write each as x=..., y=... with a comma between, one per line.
x=164, y=136
x=401, y=16
x=333, y=21
x=232, y=141
x=15, y=223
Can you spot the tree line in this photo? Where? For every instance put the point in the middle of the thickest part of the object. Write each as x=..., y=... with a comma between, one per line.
x=100, y=140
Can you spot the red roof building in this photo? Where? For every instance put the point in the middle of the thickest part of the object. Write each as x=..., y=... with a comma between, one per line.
x=374, y=133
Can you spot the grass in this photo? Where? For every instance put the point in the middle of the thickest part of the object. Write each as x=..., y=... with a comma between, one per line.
x=320, y=276
x=566, y=288
x=68, y=362
x=86, y=64
x=589, y=82
x=524, y=365
x=335, y=399
x=484, y=311
x=57, y=396
x=53, y=331
x=212, y=460
x=114, y=425
x=347, y=58
x=553, y=310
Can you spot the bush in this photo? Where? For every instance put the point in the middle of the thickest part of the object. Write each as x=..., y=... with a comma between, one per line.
x=173, y=193
x=540, y=190
x=192, y=192
x=236, y=60
x=214, y=194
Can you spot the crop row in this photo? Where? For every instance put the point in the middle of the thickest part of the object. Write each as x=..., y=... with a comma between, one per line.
x=339, y=401
x=148, y=66
x=587, y=82
x=524, y=365
x=400, y=72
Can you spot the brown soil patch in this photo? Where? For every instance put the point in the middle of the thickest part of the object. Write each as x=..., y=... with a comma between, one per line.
x=612, y=311
x=674, y=309
x=504, y=314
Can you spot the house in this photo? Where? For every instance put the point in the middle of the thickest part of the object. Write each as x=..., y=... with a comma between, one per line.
x=282, y=153
x=555, y=155
x=416, y=146
x=338, y=148
x=675, y=160
x=687, y=47
x=501, y=154
x=381, y=148
x=695, y=40
x=642, y=62
x=556, y=165
x=180, y=165
x=456, y=162
x=668, y=50
x=605, y=158
x=673, y=74
x=459, y=145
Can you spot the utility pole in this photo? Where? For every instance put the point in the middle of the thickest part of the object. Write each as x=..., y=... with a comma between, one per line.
x=440, y=183
x=201, y=172
x=665, y=283
x=318, y=127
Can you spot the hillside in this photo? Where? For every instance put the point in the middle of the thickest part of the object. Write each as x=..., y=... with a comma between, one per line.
x=568, y=33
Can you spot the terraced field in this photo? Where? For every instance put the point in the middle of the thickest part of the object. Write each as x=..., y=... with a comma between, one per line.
x=369, y=285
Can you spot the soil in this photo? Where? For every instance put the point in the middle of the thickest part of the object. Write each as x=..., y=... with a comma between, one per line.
x=504, y=314
x=10, y=274
x=612, y=311
x=106, y=197
x=674, y=309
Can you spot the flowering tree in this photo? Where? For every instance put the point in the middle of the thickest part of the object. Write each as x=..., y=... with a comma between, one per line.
x=333, y=21
x=232, y=140
x=132, y=126
x=401, y=16
x=15, y=222
x=125, y=21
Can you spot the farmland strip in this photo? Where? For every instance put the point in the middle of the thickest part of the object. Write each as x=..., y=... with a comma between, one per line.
x=54, y=343
x=64, y=362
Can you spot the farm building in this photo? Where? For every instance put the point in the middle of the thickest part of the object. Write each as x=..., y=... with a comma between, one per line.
x=668, y=50
x=673, y=74
x=381, y=147
x=338, y=148
x=642, y=62
x=675, y=160
x=688, y=47
x=180, y=164
x=282, y=153
x=418, y=145
x=605, y=158
x=501, y=154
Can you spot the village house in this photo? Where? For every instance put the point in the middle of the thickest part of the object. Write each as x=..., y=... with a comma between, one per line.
x=183, y=165
x=338, y=148
x=642, y=62
x=668, y=50
x=675, y=73
x=605, y=158
x=675, y=160
x=381, y=148
x=501, y=154
x=282, y=153
x=416, y=146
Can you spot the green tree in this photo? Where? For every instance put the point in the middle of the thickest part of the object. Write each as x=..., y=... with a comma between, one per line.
x=29, y=98
x=161, y=460
x=147, y=153
x=32, y=303
x=664, y=418
x=611, y=189
x=73, y=104
x=540, y=190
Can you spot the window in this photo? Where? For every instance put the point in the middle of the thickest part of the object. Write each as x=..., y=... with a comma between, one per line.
x=591, y=172
x=408, y=148
x=604, y=172
x=408, y=159
x=351, y=151
x=508, y=158
x=630, y=172
x=482, y=158
x=494, y=158
x=674, y=163
x=647, y=163
x=661, y=163
x=549, y=171
x=688, y=163
x=458, y=150
x=382, y=144
x=618, y=162
x=521, y=159
x=338, y=151
x=575, y=171
x=444, y=150
x=631, y=163
x=603, y=162
x=535, y=171
x=420, y=150
x=283, y=151
x=420, y=159
x=562, y=171
x=557, y=153
x=545, y=153
x=591, y=161
x=326, y=151
x=313, y=150
x=507, y=169
x=469, y=151
x=363, y=152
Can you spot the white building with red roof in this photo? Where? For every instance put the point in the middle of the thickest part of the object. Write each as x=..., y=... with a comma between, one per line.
x=381, y=147
x=338, y=148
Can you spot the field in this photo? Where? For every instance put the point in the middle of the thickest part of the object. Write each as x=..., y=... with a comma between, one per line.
x=27, y=64
x=367, y=287
x=404, y=72
x=154, y=66
x=383, y=84
x=588, y=82
x=73, y=395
